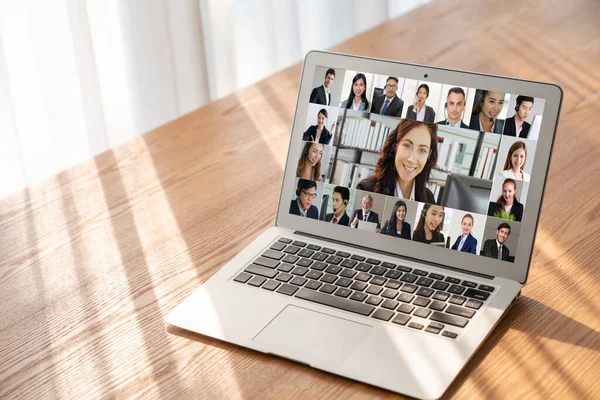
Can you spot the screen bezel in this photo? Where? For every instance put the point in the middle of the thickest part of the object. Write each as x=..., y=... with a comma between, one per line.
x=517, y=271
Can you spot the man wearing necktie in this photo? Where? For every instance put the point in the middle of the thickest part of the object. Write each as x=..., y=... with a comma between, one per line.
x=340, y=199
x=389, y=103
x=495, y=248
x=365, y=213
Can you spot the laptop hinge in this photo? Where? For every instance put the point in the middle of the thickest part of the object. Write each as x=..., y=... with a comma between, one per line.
x=385, y=253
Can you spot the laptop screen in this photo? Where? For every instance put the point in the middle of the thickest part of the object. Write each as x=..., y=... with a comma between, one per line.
x=417, y=160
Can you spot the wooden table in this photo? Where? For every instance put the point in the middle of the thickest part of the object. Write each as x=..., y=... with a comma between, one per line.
x=91, y=260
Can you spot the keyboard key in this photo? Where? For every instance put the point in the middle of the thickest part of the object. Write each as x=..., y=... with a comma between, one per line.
x=327, y=288
x=374, y=300
x=422, y=312
x=328, y=278
x=285, y=267
x=373, y=261
x=410, y=278
x=290, y=249
x=421, y=302
x=452, y=280
x=343, y=282
x=406, y=298
x=298, y=280
x=437, y=305
x=328, y=250
x=343, y=292
x=431, y=329
x=319, y=266
x=449, y=334
x=363, y=276
x=305, y=253
x=439, y=285
x=477, y=294
x=374, y=289
x=275, y=255
x=420, y=272
x=314, y=274
x=271, y=285
x=334, y=301
x=333, y=269
x=290, y=259
x=408, y=288
x=377, y=280
x=335, y=260
x=363, y=267
x=390, y=304
x=469, y=284
x=460, y=311
x=384, y=315
x=314, y=285
x=389, y=294
x=378, y=271
x=284, y=277
x=242, y=277
x=343, y=254
x=433, y=275
x=348, y=263
x=424, y=281
x=425, y=292
x=299, y=243
x=437, y=325
x=285, y=240
x=415, y=325
x=287, y=289
x=266, y=262
x=357, y=258
x=393, y=274
x=358, y=296
x=403, y=268
x=388, y=265
x=313, y=247
x=262, y=271
x=448, y=319
x=486, y=288
x=441, y=296
x=300, y=271
x=459, y=300
x=320, y=257
x=348, y=273
x=360, y=286
x=457, y=289
x=475, y=304
x=257, y=281
x=406, y=308
x=393, y=284
x=401, y=319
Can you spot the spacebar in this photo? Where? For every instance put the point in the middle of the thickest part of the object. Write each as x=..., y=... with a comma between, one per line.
x=334, y=301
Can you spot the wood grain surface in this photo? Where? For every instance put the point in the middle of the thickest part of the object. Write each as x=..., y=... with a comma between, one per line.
x=91, y=260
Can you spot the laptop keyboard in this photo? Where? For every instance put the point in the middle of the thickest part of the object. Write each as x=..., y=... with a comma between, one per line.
x=418, y=299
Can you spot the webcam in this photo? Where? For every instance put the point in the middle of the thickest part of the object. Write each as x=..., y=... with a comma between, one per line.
x=425, y=75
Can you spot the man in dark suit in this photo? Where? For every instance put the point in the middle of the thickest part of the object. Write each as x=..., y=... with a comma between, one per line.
x=495, y=248
x=389, y=103
x=455, y=105
x=517, y=124
x=341, y=197
x=321, y=94
x=305, y=194
x=365, y=213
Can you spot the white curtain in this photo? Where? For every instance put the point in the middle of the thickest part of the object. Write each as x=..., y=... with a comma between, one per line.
x=79, y=77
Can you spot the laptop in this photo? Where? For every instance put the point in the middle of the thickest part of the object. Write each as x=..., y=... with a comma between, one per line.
x=386, y=307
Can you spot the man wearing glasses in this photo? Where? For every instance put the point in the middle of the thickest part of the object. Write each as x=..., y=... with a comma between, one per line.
x=389, y=103
x=302, y=205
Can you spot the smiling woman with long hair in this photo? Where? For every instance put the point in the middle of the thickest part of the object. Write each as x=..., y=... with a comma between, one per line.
x=309, y=164
x=357, y=99
x=396, y=225
x=405, y=163
x=507, y=206
x=515, y=162
x=430, y=225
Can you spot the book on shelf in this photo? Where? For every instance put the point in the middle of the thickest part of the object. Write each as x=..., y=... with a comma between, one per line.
x=451, y=154
x=485, y=164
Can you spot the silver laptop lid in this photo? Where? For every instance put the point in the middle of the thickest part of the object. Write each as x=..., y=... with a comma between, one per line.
x=483, y=141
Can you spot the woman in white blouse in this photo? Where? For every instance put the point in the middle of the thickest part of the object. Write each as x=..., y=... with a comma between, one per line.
x=515, y=162
x=357, y=100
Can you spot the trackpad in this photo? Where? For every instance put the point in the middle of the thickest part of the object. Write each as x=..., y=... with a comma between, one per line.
x=311, y=336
